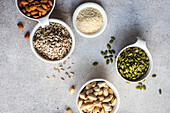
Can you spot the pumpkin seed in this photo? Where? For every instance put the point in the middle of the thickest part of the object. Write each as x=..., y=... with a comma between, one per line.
x=160, y=91
x=137, y=87
x=110, y=52
x=111, y=60
x=108, y=46
x=111, y=41
x=144, y=87
x=106, y=57
x=154, y=75
x=107, y=61
x=113, y=51
x=113, y=38
x=140, y=83
x=103, y=53
x=95, y=63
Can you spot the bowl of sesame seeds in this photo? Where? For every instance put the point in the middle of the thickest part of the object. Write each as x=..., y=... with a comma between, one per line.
x=89, y=20
x=54, y=43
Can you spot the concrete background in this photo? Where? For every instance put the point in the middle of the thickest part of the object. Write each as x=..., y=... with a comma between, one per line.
x=24, y=87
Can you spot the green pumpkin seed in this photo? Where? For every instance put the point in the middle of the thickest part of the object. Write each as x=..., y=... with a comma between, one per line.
x=144, y=80
x=108, y=46
x=106, y=57
x=102, y=53
x=111, y=60
x=144, y=87
x=110, y=52
x=95, y=63
x=160, y=91
x=107, y=61
x=137, y=87
x=127, y=82
x=113, y=51
x=113, y=38
x=105, y=52
x=140, y=83
x=154, y=75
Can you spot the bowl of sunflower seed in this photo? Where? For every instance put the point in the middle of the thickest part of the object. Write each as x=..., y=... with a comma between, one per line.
x=54, y=43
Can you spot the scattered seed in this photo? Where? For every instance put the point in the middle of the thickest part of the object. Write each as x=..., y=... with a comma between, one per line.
x=72, y=63
x=72, y=73
x=111, y=41
x=111, y=60
x=107, y=61
x=95, y=63
x=62, y=78
x=154, y=75
x=60, y=66
x=64, y=63
x=144, y=87
x=69, y=68
x=53, y=76
x=110, y=52
x=20, y=25
x=69, y=110
x=108, y=46
x=48, y=77
x=57, y=107
x=144, y=80
x=140, y=83
x=113, y=38
x=69, y=76
x=72, y=89
x=66, y=73
x=68, y=58
x=102, y=53
x=127, y=82
x=160, y=91
x=62, y=69
x=137, y=87
x=58, y=70
x=27, y=35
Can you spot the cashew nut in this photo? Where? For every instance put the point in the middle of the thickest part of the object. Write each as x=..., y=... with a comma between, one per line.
x=89, y=91
x=108, y=98
x=101, y=84
x=113, y=102
x=100, y=97
x=92, y=97
x=96, y=88
x=105, y=92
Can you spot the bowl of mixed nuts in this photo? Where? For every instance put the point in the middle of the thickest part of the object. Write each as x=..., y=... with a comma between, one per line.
x=134, y=62
x=38, y=10
x=98, y=96
x=54, y=43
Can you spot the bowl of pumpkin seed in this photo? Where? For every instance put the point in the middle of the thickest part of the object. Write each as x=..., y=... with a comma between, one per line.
x=134, y=62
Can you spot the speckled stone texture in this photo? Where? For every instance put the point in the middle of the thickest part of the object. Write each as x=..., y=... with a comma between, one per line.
x=24, y=87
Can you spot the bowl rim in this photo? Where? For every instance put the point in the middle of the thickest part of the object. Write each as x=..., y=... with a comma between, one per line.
x=46, y=60
x=116, y=93
x=142, y=45
x=93, y=5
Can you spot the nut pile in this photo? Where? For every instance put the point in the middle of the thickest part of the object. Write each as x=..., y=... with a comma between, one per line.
x=35, y=8
x=97, y=97
x=52, y=42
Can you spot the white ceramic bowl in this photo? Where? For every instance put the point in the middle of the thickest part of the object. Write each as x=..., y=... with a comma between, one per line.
x=115, y=109
x=140, y=44
x=93, y=5
x=42, y=58
x=44, y=20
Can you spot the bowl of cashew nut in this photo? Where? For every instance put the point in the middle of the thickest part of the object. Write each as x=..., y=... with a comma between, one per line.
x=98, y=96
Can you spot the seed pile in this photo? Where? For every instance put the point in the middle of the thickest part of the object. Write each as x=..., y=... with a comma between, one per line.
x=35, y=8
x=52, y=42
x=133, y=63
x=108, y=54
x=89, y=20
x=97, y=97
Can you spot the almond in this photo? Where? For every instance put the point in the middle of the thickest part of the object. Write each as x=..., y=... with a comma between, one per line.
x=27, y=9
x=30, y=0
x=44, y=1
x=39, y=13
x=44, y=6
x=44, y=12
x=28, y=14
x=35, y=16
x=34, y=7
x=40, y=9
x=24, y=2
x=27, y=35
x=23, y=10
x=50, y=2
x=34, y=12
x=20, y=25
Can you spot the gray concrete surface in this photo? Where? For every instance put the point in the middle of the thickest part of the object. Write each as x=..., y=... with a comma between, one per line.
x=23, y=84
